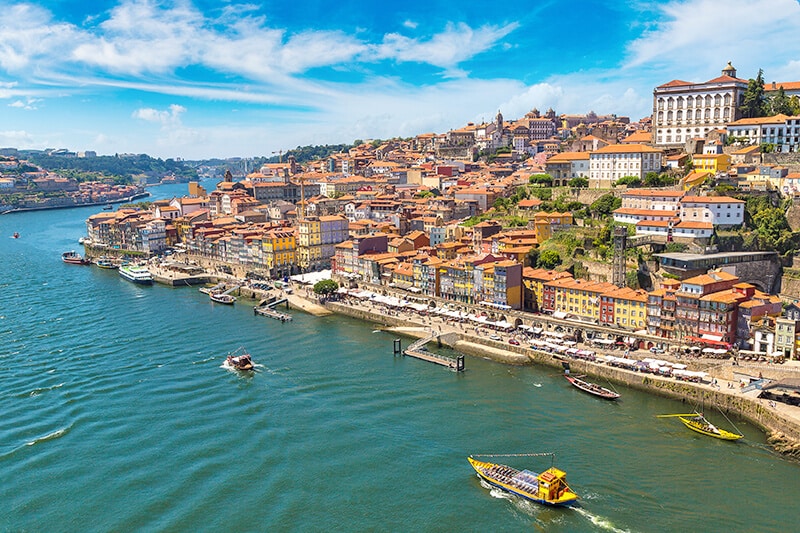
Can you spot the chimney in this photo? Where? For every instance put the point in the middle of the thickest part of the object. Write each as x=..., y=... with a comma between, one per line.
x=773, y=86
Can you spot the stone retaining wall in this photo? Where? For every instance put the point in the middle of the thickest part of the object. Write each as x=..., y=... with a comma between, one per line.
x=782, y=433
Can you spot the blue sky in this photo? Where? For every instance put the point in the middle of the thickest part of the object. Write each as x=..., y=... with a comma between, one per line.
x=201, y=79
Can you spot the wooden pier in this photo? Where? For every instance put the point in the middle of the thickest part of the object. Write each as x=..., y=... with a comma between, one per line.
x=268, y=309
x=418, y=351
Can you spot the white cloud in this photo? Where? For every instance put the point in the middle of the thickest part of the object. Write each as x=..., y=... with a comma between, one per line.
x=28, y=104
x=168, y=117
x=410, y=24
x=28, y=34
x=457, y=43
x=17, y=138
x=695, y=38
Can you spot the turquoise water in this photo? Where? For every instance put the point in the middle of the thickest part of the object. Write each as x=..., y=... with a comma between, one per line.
x=116, y=416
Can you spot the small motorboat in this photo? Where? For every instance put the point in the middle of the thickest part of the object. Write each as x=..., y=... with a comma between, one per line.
x=239, y=360
x=74, y=258
x=106, y=262
x=16, y=235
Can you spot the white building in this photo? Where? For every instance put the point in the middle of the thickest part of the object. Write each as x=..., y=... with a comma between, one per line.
x=716, y=210
x=655, y=199
x=780, y=130
x=154, y=236
x=565, y=166
x=629, y=215
x=610, y=163
x=683, y=110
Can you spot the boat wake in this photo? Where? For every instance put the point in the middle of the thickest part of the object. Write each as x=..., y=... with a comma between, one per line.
x=599, y=521
x=50, y=436
x=200, y=362
x=37, y=392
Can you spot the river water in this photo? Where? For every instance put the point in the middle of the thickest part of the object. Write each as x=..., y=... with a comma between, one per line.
x=116, y=416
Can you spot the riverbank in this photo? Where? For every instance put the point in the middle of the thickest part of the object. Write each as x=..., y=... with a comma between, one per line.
x=780, y=422
x=124, y=200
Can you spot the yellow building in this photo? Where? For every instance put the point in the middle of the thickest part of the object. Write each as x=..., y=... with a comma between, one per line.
x=695, y=179
x=624, y=307
x=714, y=163
x=579, y=297
x=280, y=251
x=309, y=237
x=545, y=223
x=534, y=279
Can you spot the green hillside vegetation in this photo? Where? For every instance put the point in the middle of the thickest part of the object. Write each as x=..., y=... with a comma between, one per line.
x=116, y=169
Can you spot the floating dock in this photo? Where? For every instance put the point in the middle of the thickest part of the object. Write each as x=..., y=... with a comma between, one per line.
x=418, y=351
x=268, y=309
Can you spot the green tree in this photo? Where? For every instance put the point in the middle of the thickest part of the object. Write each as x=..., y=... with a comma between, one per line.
x=779, y=103
x=630, y=181
x=754, y=99
x=632, y=279
x=533, y=257
x=549, y=259
x=543, y=180
x=605, y=205
x=501, y=204
x=325, y=287
x=794, y=105
x=579, y=182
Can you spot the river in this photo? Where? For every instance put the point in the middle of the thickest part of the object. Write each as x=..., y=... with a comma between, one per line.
x=116, y=415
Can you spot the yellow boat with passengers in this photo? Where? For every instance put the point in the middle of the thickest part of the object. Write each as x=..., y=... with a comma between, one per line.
x=548, y=488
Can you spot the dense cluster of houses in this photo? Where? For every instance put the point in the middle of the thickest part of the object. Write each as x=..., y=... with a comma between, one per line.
x=393, y=214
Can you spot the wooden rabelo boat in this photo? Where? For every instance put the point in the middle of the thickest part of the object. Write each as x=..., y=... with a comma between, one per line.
x=591, y=388
x=548, y=488
x=222, y=298
x=697, y=422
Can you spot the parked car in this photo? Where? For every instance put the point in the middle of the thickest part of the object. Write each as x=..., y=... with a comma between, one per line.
x=495, y=338
x=515, y=342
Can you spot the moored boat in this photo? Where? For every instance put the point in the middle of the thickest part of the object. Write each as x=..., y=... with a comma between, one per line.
x=591, y=388
x=548, y=488
x=222, y=298
x=697, y=422
x=105, y=262
x=136, y=274
x=74, y=258
x=240, y=360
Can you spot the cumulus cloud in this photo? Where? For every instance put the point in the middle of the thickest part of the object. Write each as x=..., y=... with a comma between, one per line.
x=457, y=43
x=27, y=104
x=168, y=117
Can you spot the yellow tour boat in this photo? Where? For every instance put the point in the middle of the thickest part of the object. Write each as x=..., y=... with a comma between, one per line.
x=549, y=488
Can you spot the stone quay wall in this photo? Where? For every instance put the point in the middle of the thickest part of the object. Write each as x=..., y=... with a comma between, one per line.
x=782, y=433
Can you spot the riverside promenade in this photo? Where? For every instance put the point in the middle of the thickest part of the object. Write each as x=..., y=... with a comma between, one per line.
x=781, y=422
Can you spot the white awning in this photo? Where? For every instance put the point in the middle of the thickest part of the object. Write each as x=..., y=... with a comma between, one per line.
x=559, y=314
x=708, y=337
